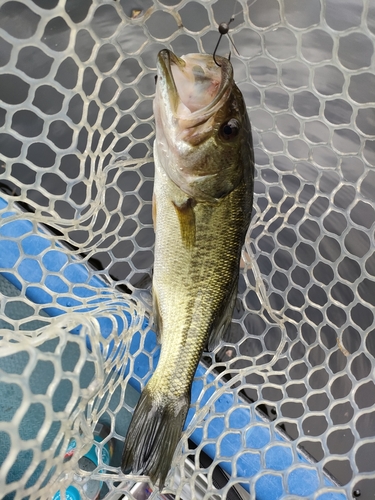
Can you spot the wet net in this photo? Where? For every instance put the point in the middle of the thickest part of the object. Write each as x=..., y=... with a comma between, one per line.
x=285, y=406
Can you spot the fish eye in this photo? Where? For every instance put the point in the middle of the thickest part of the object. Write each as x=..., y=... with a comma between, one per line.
x=230, y=129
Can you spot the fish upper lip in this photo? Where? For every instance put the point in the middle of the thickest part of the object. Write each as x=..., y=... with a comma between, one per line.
x=166, y=57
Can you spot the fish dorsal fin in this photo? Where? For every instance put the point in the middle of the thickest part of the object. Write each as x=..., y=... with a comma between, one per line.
x=186, y=217
x=222, y=320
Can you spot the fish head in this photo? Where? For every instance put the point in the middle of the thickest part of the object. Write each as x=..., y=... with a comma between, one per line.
x=203, y=137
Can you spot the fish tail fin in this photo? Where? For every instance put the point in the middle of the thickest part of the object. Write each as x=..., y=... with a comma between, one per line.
x=153, y=435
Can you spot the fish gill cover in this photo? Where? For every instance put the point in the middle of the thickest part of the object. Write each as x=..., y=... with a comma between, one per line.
x=296, y=370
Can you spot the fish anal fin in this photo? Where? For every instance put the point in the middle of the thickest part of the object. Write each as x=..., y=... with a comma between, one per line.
x=158, y=321
x=186, y=218
x=222, y=321
x=153, y=435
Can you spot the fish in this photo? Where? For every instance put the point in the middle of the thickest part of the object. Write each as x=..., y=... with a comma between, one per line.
x=202, y=203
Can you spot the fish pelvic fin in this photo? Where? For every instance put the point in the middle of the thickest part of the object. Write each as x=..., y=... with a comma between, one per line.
x=153, y=435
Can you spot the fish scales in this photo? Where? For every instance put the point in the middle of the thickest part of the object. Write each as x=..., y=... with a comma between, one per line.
x=203, y=189
x=192, y=284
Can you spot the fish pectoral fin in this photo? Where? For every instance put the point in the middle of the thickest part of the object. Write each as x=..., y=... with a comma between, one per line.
x=153, y=435
x=186, y=218
x=222, y=321
x=158, y=321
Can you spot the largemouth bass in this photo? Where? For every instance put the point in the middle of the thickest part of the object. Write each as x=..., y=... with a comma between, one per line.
x=203, y=194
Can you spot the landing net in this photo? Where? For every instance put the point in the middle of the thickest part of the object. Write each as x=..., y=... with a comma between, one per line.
x=285, y=405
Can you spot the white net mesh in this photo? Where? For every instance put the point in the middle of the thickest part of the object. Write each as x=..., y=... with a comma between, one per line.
x=295, y=374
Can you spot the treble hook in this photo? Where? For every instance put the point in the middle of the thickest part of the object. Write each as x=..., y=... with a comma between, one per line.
x=224, y=30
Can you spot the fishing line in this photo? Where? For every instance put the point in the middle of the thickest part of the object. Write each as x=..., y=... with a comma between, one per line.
x=234, y=15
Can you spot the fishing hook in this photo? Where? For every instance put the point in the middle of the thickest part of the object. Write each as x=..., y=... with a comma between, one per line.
x=224, y=30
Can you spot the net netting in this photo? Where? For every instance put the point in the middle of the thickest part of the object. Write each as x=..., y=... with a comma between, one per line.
x=294, y=376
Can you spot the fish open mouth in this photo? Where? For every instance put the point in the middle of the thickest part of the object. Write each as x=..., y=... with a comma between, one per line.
x=193, y=83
